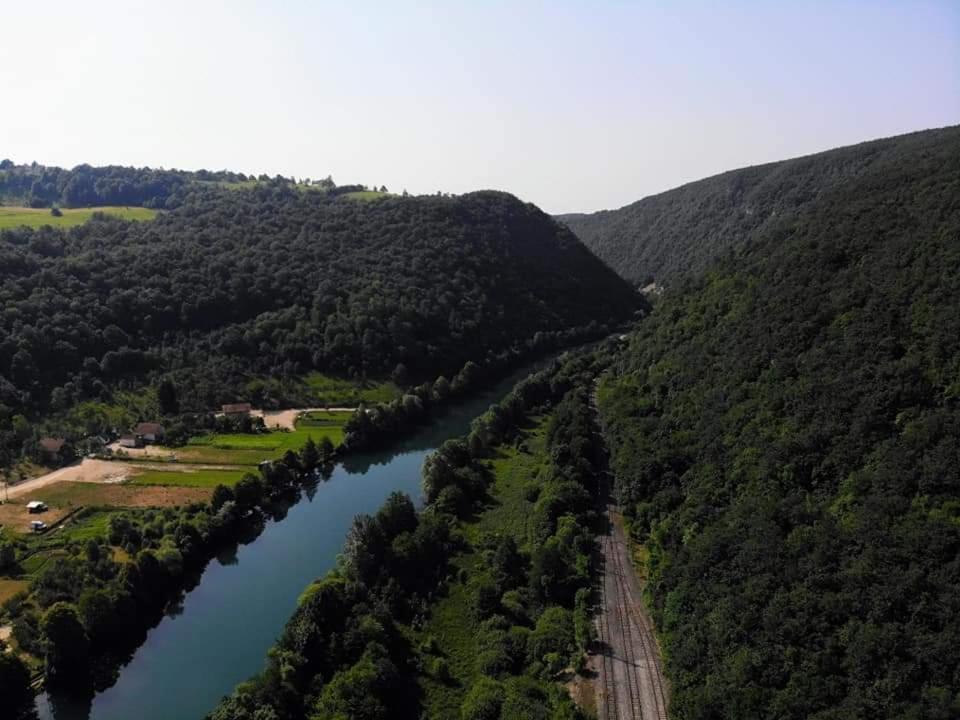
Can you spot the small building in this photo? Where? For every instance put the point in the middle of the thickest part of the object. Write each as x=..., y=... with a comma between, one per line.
x=236, y=409
x=35, y=506
x=130, y=441
x=51, y=445
x=151, y=432
x=38, y=526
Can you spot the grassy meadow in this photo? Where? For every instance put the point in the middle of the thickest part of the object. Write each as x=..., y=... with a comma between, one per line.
x=189, y=478
x=319, y=389
x=366, y=195
x=11, y=217
x=338, y=392
x=244, y=449
x=450, y=623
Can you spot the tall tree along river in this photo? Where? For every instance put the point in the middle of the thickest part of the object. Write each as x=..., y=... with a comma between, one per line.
x=220, y=635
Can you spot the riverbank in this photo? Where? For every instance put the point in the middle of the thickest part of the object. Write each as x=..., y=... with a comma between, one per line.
x=226, y=623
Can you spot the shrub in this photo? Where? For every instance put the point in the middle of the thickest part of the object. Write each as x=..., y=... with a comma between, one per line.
x=483, y=701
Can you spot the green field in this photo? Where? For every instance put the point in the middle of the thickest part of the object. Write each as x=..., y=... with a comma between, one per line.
x=37, y=217
x=337, y=392
x=366, y=195
x=189, y=478
x=83, y=526
x=249, y=450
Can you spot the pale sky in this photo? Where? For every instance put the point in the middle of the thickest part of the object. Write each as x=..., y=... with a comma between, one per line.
x=574, y=106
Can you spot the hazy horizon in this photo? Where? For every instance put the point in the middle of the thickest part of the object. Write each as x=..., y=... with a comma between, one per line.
x=571, y=106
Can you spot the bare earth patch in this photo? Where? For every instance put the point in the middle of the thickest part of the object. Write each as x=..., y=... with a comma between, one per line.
x=287, y=419
x=9, y=588
x=14, y=516
x=123, y=495
x=88, y=470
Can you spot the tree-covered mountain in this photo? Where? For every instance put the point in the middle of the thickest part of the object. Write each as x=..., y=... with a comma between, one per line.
x=786, y=439
x=276, y=281
x=684, y=230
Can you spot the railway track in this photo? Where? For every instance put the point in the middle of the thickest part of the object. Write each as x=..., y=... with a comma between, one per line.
x=631, y=684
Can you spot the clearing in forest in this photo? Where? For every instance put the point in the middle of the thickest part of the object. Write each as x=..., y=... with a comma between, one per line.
x=11, y=217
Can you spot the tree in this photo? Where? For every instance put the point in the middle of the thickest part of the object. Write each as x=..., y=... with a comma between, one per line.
x=553, y=633
x=363, y=692
x=248, y=491
x=400, y=376
x=441, y=389
x=483, y=701
x=15, y=681
x=397, y=515
x=309, y=455
x=221, y=495
x=167, y=398
x=66, y=642
x=96, y=612
x=8, y=554
x=326, y=448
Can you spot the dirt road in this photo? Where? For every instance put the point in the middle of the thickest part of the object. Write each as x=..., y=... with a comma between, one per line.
x=88, y=470
x=287, y=419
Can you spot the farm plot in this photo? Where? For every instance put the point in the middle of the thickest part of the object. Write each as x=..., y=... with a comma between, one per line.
x=244, y=449
x=188, y=478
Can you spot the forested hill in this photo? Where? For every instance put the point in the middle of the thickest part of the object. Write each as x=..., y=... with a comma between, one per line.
x=276, y=281
x=686, y=229
x=786, y=438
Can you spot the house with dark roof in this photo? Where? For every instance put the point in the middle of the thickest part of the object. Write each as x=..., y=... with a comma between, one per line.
x=151, y=432
x=236, y=409
x=52, y=444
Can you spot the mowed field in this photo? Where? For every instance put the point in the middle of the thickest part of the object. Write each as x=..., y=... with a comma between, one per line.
x=12, y=216
x=250, y=450
x=189, y=478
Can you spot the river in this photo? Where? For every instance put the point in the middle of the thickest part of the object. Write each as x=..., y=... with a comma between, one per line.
x=220, y=634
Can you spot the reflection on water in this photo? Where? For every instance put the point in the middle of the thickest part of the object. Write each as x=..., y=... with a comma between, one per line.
x=218, y=634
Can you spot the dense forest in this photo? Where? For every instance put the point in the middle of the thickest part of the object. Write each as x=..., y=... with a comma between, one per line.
x=84, y=186
x=273, y=281
x=785, y=434
x=684, y=230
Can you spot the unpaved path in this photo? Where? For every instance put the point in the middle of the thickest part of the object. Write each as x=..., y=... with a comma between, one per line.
x=91, y=470
x=630, y=682
x=88, y=470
